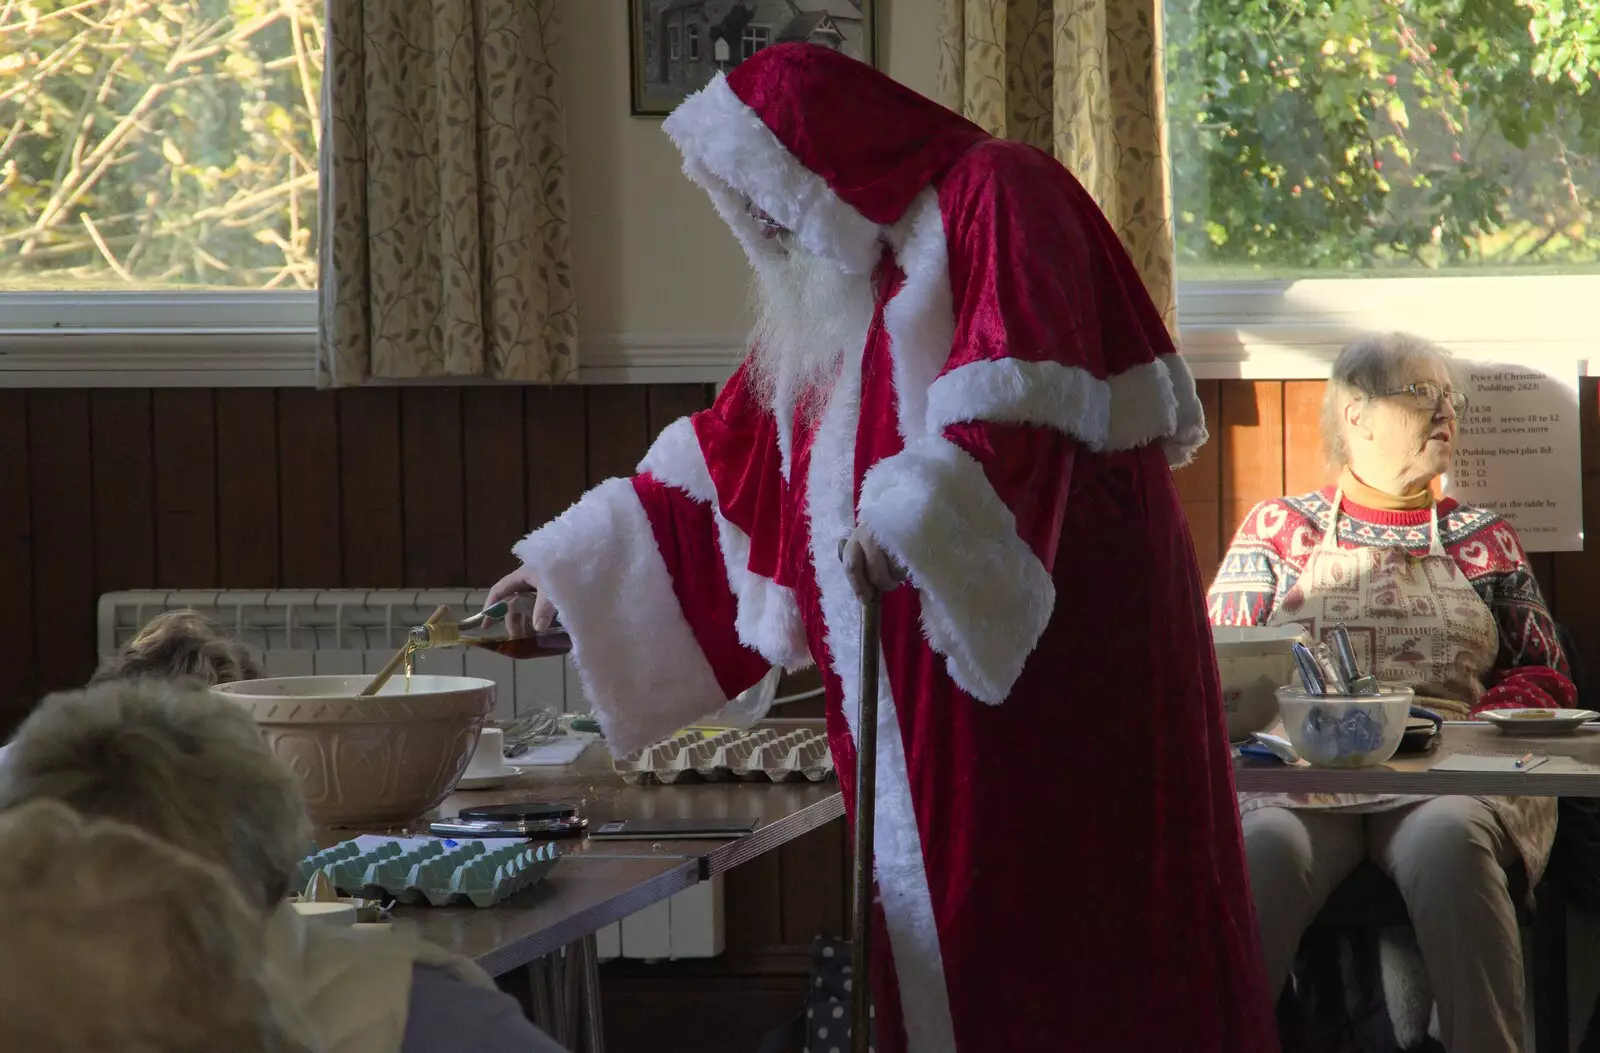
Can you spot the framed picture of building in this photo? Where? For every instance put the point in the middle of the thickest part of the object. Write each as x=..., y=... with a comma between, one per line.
x=676, y=46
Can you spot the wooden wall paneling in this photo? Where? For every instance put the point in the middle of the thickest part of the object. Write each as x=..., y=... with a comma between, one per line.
x=1304, y=466
x=815, y=884
x=619, y=430
x=752, y=904
x=16, y=563
x=556, y=446
x=371, y=499
x=1577, y=574
x=247, y=489
x=185, y=440
x=309, y=489
x=495, y=480
x=432, y=474
x=121, y=440
x=720, y=1013
x=61, y=500
x=1200, y=486
x=668, y=402
x=1251, y=418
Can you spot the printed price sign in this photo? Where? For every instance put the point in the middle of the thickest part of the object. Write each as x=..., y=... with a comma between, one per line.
x=1517, y=452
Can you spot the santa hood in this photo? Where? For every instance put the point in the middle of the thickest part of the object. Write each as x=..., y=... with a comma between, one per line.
x=850, y=161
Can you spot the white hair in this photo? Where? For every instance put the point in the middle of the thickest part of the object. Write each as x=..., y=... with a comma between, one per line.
x=808, y=313
x=115, y=940
x=1367, y=368
x=175, y=761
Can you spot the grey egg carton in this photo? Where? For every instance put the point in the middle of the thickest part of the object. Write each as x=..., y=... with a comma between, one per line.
x=763, y=753
x=434, y=873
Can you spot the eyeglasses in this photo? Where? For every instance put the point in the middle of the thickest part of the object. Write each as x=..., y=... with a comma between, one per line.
x=1429, y=396
x=770, y=228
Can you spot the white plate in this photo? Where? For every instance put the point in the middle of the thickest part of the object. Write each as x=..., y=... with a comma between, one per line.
x=487, y=782
x=1539, y=721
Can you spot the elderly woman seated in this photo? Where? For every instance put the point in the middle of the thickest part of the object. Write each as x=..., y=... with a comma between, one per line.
x=189, y=769
x=1437, y=595
x=115, y=940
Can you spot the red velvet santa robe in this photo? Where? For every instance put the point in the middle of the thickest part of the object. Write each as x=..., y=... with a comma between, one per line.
x=1057, y=847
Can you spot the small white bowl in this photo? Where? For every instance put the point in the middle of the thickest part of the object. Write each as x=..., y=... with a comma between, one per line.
x=1345, y=731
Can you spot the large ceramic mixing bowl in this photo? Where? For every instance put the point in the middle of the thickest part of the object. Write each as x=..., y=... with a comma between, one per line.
x=1343, y=731
x=370, y=761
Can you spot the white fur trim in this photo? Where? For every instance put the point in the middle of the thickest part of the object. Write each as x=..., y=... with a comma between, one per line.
x=920, y=320
x=986, y=598
x=724, y=141
x=903, y=891
x=639, y=661
x=1137, y=406
x=1190, y=433
x=768, y=620
x=675, y=458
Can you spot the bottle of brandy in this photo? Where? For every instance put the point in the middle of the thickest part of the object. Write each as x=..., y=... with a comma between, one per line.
x=489, y=629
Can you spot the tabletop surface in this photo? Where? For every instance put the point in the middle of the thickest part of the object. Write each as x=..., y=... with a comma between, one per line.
x=600, y=882
x=1572, y=768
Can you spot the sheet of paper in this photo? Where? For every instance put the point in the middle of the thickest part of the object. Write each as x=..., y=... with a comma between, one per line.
x=564, y=750
x=1475, y=762
x=1518, y=449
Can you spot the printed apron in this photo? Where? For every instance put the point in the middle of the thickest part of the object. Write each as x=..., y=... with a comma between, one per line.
x=1414, y=621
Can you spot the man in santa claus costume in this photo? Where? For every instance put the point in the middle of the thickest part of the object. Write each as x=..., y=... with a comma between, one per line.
x=956, y=378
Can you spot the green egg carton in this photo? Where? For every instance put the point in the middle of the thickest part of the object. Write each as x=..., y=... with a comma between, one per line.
x=434, y=873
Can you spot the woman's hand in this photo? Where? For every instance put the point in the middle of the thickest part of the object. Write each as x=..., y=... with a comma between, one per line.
x=520, y=619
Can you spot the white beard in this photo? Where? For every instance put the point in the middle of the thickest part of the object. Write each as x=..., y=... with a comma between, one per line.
x=809, y=313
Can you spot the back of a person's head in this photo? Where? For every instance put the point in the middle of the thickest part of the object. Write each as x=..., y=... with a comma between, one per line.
x=175, y=761
x=181, y=645
x=116, y=942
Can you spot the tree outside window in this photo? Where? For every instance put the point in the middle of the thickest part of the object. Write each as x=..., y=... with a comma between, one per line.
x=1383, y=136
x=147, y=145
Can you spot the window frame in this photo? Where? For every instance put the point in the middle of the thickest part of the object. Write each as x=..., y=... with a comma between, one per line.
x=1249, y=330
x=753, y=38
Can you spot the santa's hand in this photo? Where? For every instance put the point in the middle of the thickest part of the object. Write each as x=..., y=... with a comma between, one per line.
x=522, y=617
x=872, y=572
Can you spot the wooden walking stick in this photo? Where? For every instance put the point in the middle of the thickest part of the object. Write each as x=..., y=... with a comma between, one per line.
x=866, y=785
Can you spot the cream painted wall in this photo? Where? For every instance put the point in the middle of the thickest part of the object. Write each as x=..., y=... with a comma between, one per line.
x=651, y=258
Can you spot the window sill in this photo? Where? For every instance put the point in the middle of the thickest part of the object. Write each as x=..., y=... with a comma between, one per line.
x=1228, y=330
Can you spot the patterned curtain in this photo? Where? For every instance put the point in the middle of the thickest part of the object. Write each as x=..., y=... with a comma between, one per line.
x=444, y=194
x=1080, y=79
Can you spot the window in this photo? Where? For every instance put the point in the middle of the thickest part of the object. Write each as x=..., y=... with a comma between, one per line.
x=754, y=39
x=159, y=147
x=675, y=43
x=694, y=42
x=1380, y=138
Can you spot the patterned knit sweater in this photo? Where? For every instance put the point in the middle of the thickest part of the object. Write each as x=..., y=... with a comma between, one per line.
x=1270, y=550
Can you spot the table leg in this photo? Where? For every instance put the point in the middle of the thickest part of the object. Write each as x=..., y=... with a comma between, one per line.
x=561, y=1022
x=588, y=967
x=539, y=994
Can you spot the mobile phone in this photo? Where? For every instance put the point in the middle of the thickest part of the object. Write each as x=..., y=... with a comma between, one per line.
x=674, y=829
x=520, y=812
x=458, y=826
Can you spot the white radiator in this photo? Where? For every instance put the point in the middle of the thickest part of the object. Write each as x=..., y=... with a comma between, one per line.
x=301, y=633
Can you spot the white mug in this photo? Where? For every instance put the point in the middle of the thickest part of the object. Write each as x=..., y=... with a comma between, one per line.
x=489, y=758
